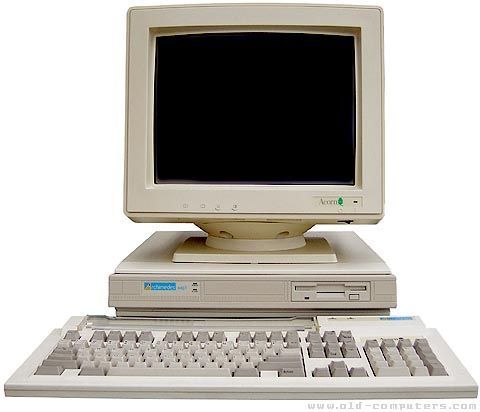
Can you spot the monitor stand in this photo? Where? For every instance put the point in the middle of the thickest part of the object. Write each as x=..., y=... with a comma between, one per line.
x=254, y=242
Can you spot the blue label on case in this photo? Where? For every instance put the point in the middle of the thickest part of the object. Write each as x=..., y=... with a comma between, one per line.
x=397, y=318
x=160, y=286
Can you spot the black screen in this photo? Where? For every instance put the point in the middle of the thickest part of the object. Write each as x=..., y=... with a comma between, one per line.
x=255, y=108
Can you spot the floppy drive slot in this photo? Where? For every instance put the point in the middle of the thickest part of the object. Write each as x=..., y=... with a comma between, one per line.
x=330, y=291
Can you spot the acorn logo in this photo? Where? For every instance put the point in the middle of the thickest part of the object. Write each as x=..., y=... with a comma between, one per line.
x=336, y=201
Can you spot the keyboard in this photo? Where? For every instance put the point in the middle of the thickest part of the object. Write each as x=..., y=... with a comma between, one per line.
x=311, y=358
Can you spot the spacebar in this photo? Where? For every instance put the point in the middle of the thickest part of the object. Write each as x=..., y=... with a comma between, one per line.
x=201, y=372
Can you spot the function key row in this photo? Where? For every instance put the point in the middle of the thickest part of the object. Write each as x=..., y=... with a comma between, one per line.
x=290, y=337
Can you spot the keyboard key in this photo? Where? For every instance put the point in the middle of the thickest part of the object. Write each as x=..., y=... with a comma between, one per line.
x=421, y=342
x=244, y=347
x=219, y=337
x=414, y=362
x=357, y=372
x=276, y=336
x=63, y=353
x=64, y=363
x=313, y=337
x=419, y=371
x=375, y=357
x=387, y=343
x=72, y=335
x=338, y=369
x=255, y=359
x=105, y=365
x=278, y=346
x=345, y=336
x=332, y=350
x=268, y=352
x=194, y=372
x=170, y=336
x=81, y=344
x=404, y=343
x=371, y=343
x=329, y=336
x=99, y=335
x=203, y=336
x=228, y=346
x=89, y=364
x=292, y=336
x=276, y=366
x=260, y=336
x=435, y=368
x=291, y=372
x=130, y=336
x=230, y=366
x=65, y=343
x=246, y=372
x=98, y=344
x=315, y=350
x=146, y=336
x=408, y=351
x=49, y=370
x=187, y=337
x=378, y=364
x=291, y=351
x=244, y=337
x=425, y=352
x=92, y=372
x=239, y=360
x=321, y=373
x=396, y=363
x=282, y=358
x=349, y=350
x=114, y=336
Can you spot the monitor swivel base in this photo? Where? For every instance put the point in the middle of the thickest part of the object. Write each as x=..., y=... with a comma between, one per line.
x=198, y=250
x=254, y=242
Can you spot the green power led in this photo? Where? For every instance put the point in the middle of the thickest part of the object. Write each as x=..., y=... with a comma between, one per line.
x=340, y=201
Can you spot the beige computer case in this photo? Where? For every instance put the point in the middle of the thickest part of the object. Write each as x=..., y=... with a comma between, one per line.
x=358, y=283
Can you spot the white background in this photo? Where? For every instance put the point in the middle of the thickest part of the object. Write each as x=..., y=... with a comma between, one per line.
x=62, y=70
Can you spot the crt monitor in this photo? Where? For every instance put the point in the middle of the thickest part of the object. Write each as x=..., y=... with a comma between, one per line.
x=254, y=122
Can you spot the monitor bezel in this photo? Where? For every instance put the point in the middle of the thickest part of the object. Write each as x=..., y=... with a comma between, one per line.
x=147, y=201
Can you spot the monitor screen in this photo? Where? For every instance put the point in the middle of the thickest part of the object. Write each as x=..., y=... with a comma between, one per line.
x=255, y=108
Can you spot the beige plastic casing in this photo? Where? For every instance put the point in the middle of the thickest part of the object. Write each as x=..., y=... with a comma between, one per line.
x=459, y=383
x=204, y=204
x=225, y=289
